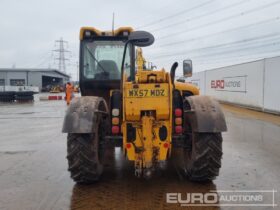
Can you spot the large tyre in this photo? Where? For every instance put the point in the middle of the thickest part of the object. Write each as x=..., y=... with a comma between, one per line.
x=203, y=161
x=85, y=154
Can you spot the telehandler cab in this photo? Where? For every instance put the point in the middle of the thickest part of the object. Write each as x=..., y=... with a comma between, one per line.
x=144, y=112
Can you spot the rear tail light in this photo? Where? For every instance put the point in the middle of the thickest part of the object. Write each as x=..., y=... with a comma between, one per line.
x=115, y=129
x=178, y=121
x=178, y=129
x=115, y=121
x=115, y=112
x=178, y=112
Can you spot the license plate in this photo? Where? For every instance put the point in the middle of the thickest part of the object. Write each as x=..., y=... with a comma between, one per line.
x=146, y=93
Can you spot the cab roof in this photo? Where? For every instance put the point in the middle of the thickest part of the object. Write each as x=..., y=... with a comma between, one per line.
x=96, y=32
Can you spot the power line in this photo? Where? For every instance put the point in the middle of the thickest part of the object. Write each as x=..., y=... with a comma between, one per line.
x=47, y=59
x=230, y=51
x=233, y=60
x=239, y=50
x=224, y=44
x=244, y=53
x=221, y=32
x=40, y=57
x=255, y=57
x=222, y=20
x=203, y=15
x=43, y=59
x=151, y=15
x=175, y=15
x=61, y=54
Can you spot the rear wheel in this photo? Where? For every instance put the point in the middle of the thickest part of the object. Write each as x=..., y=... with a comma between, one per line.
x=202, y=161
x=85, y=154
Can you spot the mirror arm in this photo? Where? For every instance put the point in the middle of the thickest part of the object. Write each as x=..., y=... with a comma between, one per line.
x=122, y=67
x=172, y=73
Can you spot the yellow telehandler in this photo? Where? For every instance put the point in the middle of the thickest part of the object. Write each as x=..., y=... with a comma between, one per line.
x=144, y=112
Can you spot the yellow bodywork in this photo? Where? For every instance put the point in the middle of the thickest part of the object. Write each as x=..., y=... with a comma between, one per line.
x=144, y=98
x=186, y=87
x=147, y=105
x=140, y=60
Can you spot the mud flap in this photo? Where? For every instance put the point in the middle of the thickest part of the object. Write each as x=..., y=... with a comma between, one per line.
x=82, y=114
x=204, y=114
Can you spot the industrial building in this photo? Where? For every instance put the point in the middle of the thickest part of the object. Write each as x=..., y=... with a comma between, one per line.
x=32, y=77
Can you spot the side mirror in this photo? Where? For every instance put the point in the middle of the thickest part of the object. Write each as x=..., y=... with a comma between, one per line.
x=153, y=67
x=141, y=38
x=187, y=68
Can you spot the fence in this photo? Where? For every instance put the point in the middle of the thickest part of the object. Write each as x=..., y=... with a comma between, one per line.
x=254, y=84
x=19, y=88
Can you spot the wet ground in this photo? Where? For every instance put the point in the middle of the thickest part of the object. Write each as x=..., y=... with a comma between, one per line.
x=33, y=168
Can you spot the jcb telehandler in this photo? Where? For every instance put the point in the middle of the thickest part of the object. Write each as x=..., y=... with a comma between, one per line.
x=144, y=112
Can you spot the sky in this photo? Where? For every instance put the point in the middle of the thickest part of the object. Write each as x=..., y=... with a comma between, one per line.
x=213, y=33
